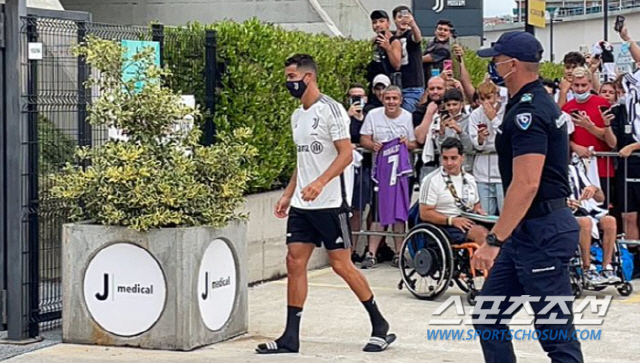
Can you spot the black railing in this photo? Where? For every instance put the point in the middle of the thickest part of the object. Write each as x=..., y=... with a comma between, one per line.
x=55, y=104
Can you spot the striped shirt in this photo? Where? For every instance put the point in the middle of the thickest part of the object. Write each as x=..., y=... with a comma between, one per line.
x=314, y=132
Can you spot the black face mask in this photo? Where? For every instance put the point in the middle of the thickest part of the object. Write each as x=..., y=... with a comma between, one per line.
x=297, y=88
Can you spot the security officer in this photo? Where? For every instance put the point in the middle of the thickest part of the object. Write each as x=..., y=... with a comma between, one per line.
x=536, y=235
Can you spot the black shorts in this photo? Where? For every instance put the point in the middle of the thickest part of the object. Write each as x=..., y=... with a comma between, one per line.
x=318, y=226
x=628, y=196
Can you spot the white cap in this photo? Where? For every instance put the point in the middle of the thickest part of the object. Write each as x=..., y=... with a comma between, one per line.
x=381, y=78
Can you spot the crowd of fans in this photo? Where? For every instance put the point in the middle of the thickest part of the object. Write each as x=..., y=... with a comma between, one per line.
x=414, y=101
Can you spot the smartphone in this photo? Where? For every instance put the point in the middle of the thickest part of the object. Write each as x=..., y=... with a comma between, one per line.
x=355, y=100
x=435, y=72
x=447, y=65
x=619, y=23
x=575, y=112
x=444, y=114
x=604, y=109
x=404, y=12
x=482, y=127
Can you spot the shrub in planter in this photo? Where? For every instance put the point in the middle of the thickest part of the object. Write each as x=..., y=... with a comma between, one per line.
x=158, y=177
x=163, y=263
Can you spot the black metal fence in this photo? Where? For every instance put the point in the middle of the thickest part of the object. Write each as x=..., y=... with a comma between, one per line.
x=54, y=104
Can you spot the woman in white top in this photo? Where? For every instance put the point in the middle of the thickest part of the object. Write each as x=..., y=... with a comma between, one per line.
x=483, y=125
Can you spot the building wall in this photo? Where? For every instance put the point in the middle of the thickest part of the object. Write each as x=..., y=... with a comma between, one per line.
x=572, y=34
x=42, y=4
x=349, y=18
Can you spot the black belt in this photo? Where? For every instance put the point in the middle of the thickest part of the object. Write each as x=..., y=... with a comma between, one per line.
x=539, y=209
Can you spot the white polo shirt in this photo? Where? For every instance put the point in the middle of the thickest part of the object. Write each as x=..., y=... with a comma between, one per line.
x=434, y=192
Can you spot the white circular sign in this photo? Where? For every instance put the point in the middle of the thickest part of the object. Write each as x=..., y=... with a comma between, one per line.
x=217, y=285
x=125, y=289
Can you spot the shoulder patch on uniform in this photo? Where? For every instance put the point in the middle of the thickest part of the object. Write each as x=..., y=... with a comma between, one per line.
x=526, y=98
x=524, y=120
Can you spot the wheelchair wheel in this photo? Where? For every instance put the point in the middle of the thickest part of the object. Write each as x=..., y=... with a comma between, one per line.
x=426, y=262
x=576, y=286
x=625, y=289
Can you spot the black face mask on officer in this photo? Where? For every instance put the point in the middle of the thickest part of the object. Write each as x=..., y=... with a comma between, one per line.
x=297, y=88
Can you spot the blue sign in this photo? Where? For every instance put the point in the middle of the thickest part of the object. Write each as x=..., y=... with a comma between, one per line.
x=129, y=67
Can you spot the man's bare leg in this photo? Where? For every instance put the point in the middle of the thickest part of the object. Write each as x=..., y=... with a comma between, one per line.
x=298, y=255
x=608, y=224
x=630, y=225
x=342, y=265
x=477, y=234
x=586, y=224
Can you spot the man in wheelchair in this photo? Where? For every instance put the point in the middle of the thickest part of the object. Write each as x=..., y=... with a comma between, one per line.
x=584, y=201
x=447, y=192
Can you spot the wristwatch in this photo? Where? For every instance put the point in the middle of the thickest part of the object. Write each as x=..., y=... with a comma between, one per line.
x=492, y=240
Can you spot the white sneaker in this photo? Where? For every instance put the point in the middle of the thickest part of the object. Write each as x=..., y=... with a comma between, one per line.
x=610, y=277
x=593, y=278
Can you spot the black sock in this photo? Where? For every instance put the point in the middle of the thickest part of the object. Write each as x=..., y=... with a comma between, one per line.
x=380, y=326
x=290, y=339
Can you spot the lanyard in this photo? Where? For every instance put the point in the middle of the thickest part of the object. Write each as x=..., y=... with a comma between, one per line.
x=462, y=204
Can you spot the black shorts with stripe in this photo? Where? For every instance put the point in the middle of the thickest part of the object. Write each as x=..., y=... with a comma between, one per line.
x=320, y=226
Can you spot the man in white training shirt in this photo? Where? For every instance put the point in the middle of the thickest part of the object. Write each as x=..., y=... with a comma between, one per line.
x=316, y=203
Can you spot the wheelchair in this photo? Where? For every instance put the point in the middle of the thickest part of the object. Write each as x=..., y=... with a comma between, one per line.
x=579, y=282
x=429, y=263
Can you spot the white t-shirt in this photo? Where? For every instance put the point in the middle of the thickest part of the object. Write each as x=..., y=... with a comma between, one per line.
x=434, y=192
x=485, y=166
x=384, y=129
x=314, y=132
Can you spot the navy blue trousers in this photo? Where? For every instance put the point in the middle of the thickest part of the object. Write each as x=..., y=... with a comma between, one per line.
x=534, y=261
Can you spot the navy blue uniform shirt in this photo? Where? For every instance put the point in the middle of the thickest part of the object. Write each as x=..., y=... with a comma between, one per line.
x=532, y=125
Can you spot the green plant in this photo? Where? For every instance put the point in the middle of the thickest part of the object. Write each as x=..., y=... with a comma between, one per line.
x=253, y=94
x=159, y=176
x=55, y=149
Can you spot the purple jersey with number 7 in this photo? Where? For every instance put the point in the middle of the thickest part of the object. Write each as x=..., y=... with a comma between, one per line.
x=391, y=172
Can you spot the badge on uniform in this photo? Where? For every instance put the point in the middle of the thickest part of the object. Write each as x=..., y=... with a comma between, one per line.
x=524, y=120
x=526, y=98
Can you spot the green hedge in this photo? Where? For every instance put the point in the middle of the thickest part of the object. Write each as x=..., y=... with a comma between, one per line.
x=253, y=92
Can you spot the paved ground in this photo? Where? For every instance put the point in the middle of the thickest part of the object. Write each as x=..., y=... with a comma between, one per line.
x=335, y=327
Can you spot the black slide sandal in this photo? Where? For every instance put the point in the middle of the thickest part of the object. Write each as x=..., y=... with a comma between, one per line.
x=272, y=348
x=377, y=344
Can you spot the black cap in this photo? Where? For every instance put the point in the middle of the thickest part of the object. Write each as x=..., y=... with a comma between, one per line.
x=516, y=44
x=379, y=14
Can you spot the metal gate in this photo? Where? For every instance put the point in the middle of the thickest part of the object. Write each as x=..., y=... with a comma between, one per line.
x=50, y=123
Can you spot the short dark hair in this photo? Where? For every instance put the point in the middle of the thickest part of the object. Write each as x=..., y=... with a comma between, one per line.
x=574, y=58
x=445, y=22
x=452, y=143
x=399, y=9
x=453, y=94
x=355, y=85
x=302, y=61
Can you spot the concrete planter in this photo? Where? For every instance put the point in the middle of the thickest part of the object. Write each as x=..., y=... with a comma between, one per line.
x=174, y=289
